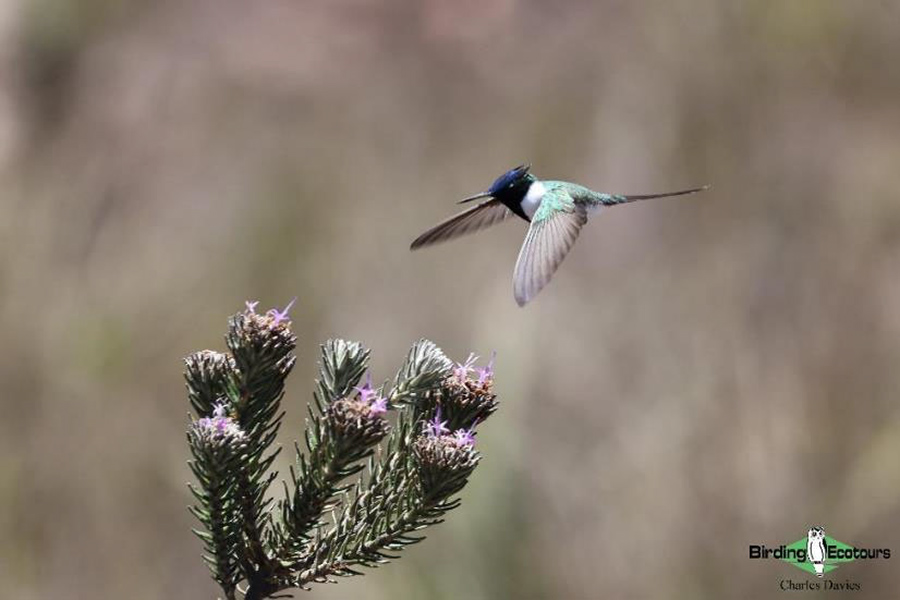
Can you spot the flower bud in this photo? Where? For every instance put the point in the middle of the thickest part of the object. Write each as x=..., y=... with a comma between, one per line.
x=467, y=396
x=443, y=463
x=206, y=373
x=261, y=334
x=357, y=421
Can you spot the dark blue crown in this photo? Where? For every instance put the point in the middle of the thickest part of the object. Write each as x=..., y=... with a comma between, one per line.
x=508, y=178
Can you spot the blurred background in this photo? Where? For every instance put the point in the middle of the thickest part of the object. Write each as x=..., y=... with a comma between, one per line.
x=702, y=374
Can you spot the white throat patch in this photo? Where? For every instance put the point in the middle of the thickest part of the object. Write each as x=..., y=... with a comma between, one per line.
x=532, y=199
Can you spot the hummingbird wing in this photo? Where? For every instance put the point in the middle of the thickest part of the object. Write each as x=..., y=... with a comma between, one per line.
x=478, y=217
x=554, y=229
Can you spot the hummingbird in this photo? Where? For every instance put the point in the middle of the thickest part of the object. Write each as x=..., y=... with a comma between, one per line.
x=556, y=211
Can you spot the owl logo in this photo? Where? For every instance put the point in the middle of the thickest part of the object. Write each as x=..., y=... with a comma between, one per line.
x=816, y=549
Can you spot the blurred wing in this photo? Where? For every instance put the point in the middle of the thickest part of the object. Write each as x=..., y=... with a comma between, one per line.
x=553, y=232
x=473, y=219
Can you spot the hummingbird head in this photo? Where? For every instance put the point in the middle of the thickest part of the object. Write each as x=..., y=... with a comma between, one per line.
x=509, y=187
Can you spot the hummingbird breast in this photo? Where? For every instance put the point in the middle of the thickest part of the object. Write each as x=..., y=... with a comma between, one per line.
x=532, y=199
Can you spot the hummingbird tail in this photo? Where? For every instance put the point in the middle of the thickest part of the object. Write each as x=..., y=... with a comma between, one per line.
x=664, y=195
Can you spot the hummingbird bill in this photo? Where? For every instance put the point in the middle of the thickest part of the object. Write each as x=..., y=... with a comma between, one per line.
x=555, y=210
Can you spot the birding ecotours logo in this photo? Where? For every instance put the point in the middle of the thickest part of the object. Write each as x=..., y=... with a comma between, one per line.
x=817, y=553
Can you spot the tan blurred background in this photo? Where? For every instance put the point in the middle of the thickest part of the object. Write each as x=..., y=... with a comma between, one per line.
x=703, y=373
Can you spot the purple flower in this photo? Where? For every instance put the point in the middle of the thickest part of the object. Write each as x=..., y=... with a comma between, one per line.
x=461, y=370
x=369, y=396
x=251, y=306
x=435, y=427
x=279, y=316
x=378, y=406
x=464, y=437
x=219, y=426
x=486, y=374
x=366, y=392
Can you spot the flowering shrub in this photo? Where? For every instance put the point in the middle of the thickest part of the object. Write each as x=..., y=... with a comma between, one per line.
x=384, y=461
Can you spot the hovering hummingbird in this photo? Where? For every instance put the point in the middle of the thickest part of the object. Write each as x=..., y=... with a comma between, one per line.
x=556, y=210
